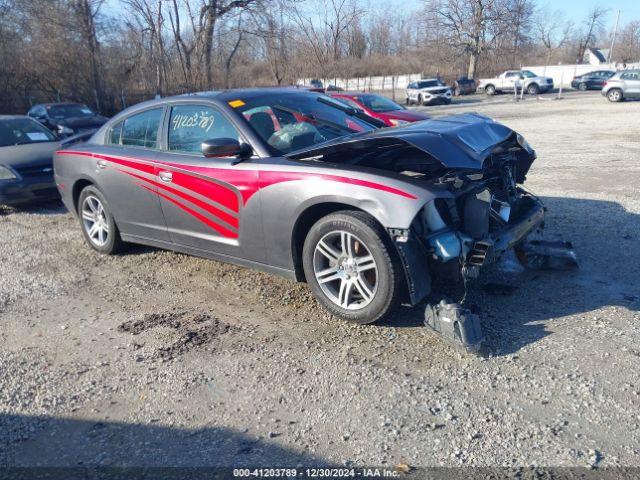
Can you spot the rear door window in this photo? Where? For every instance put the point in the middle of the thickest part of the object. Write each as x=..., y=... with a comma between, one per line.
x=190, y=125
x=141, y=129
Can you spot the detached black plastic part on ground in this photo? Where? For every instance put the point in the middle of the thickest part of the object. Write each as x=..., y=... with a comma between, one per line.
x=460, y=326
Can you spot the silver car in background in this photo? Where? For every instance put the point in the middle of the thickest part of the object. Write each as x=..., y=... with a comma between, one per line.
x=624, y=84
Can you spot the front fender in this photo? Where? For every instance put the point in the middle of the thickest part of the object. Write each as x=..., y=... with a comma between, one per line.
x=285, y=203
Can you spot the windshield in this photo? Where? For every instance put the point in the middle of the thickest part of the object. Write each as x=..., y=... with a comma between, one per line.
x=430, y=83
x=294, y=121
x=20, y=131
x=69, y=111
x=528, y=74
x=378, y=104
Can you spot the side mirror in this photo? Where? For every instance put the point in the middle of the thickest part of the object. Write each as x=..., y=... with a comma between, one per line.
x=225, y=147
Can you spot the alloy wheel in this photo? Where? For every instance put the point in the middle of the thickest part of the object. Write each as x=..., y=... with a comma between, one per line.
x=345, y=270
x=94, y=221
x=614, y=95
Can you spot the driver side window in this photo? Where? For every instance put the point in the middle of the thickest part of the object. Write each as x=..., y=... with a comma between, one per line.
x=190, y=125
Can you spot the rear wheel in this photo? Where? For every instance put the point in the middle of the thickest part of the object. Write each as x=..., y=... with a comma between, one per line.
x=582, y=87
x=98, y=226
x=615, y=95
x=352, y=267
x=490, y=90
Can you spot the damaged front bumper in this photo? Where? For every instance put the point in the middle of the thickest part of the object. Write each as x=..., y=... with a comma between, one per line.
x=449, y=244
x=424, y=254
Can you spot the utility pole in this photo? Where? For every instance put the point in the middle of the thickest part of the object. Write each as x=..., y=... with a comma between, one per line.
x=613, y=39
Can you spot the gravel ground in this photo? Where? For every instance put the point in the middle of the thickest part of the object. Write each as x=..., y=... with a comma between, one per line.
x=157, y=358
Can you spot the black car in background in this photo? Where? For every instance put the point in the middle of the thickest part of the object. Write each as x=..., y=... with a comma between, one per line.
x=592, y=80
x=464, y=86
x=67, y=119
x=26, y=165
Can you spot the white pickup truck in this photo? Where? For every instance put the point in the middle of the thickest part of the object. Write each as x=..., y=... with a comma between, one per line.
x=509, y=80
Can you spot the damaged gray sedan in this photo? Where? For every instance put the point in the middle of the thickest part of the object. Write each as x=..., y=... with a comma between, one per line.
x=298, y=184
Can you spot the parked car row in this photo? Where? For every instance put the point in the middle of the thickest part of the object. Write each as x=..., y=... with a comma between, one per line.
x=27, y=144
x=616, y=86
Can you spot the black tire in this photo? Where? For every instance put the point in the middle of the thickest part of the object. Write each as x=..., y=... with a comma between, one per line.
x=420, y=101
x=533, y=89
x=583, y=87
x=407, y=101
x=389, y=273
x=615, y=95
x=490, y=90
x=114, y=242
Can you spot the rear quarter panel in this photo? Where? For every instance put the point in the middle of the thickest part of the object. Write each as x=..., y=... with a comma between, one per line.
x=70, y=167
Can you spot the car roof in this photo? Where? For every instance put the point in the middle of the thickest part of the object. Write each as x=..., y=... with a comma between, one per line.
x=226, y=95
x=11, y=117
x=52, y=104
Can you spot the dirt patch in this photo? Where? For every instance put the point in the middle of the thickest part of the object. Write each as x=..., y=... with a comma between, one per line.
x=187, y=331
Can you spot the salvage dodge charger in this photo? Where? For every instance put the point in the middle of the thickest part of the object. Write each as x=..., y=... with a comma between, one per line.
x=298, y=184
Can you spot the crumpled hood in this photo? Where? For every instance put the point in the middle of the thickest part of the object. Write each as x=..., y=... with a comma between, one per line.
x=456, y=141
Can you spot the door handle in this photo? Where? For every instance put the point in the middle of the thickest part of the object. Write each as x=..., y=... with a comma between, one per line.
x=166, y=176
x=101, y=164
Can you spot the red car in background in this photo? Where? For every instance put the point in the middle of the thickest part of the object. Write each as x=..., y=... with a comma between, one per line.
x=382, y=108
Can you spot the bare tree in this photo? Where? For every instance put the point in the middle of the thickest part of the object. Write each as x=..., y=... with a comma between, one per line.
x=324, y=32
x=471, y=26
x=87, y=12
x=211, y=12
x=593, y=25
x=628, y=49
x=551, y=30
x=519, y=18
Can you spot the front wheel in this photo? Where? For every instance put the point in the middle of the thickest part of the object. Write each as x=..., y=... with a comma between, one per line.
x=352, y=267
x=420, y=101
x=615, y=95
x=98, y=225
x=533, y=89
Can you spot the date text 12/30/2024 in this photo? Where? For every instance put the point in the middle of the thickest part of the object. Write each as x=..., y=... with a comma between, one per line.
x=316, y=472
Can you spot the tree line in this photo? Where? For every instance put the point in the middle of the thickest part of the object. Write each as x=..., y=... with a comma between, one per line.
x=112, y=53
